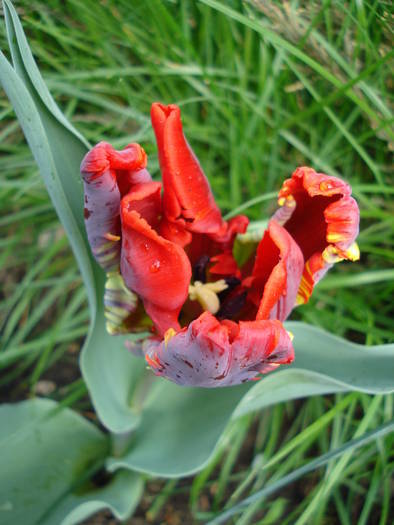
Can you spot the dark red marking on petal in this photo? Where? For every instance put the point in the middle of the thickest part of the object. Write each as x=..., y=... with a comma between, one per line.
x=220, y=353
x=103, y=188
x=102, y=201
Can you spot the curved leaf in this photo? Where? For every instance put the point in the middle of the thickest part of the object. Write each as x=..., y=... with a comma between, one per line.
x=120, y=496
x=324, y=364
x=367, y=369
x=48, y=456
x=58, y=150
x=180, y=427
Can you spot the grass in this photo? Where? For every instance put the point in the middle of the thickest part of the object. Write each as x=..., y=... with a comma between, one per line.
x=263, y=87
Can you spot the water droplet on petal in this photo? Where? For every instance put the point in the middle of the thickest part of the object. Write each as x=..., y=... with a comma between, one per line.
x=155, y=266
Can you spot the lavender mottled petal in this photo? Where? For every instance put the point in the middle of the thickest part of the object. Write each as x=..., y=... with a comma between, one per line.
x=204, y=355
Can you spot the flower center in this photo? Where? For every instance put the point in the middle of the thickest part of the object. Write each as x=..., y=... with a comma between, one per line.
x=206, y=294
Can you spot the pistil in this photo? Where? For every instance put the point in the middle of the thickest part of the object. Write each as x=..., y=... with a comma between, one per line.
x=206, y=294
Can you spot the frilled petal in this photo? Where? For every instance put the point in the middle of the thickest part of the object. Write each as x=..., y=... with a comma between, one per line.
x=104, y=172
x=212, y=354
x=188, y=199
x=276, y=274
x=321, y=216
x=156, y=269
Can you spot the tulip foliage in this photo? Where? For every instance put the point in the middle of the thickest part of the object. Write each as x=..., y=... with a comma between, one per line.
x=167, y=291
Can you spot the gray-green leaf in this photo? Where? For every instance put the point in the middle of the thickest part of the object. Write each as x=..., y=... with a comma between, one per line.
x=48, y=455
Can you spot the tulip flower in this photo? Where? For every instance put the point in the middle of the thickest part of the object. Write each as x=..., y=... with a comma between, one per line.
x=169, y=257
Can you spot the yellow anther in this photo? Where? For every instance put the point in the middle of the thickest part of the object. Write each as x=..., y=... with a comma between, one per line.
x=353, y=252
x=206, y=294
x=288, y=201
x=168, y=335
x=112, y=237
x=290, y=334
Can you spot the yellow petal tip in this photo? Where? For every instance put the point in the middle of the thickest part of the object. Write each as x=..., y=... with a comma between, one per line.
x=353, y=252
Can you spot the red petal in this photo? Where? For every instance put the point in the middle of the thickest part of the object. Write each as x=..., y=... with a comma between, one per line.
x=322, y=218
x=212, y=354
x=174, y=232
x=225, y=264
x=145, y=199
x=127, y=165
x=188, y=199
x=229, y=230
x=276, y=274
x=342, y=219
x=218, y=243
x=100, y=173
x=156, y=269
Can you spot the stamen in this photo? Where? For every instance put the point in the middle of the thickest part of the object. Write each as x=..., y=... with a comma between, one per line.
x=112, y=237
x=199, y=269
x=206, y=294
x=232, y=282
x=232, y=306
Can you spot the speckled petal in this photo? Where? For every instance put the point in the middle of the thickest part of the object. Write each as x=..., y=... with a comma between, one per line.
x=104, y=171
x=212, y=354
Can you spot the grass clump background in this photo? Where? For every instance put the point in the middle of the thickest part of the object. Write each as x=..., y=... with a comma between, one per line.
x=263, y=87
